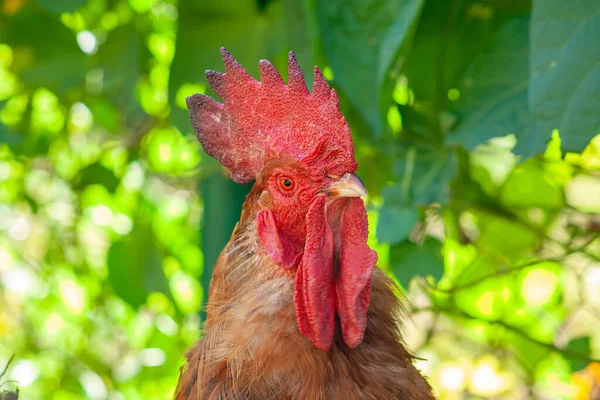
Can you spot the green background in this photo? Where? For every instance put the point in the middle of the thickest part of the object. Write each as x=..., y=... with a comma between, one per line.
x=476, y=127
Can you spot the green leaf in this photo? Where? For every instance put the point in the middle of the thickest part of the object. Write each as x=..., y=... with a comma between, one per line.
x=135, y=266
x=56, y=64
x=490, y=164
x=529, y=185
x=530, y=353
x=409, y=260
x=60, y=6
x=361, y=40
x=494, y=231
x=579, y=350
x=396, y=219
x=565, y=74
x=448, y=36
x=424, y=173
x=493, y=101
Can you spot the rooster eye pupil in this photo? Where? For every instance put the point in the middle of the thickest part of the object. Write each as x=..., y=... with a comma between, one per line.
x=286, y=184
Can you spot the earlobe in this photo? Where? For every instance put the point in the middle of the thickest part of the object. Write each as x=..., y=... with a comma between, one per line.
x=265, y=201
x=281, y=250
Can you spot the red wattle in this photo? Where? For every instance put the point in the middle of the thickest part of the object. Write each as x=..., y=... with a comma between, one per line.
x=314, y=295
x=357, y=260
x=318, y=295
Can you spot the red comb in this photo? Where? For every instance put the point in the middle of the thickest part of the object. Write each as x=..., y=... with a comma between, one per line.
x=260, y=119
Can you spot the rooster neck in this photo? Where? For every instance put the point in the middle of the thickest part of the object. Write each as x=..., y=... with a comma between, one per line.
x=246, y=282
x=252, y=347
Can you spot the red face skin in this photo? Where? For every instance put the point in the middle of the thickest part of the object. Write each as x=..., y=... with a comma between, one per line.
x=307, y=221
x=290, y=203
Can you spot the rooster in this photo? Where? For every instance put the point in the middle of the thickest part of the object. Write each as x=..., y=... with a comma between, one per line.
x=296, y=308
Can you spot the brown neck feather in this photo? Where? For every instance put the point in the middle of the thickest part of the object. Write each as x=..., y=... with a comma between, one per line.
x=251, y=347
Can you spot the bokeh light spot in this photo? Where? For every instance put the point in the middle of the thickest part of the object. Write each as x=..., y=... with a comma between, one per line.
x=25, y=372
x=538, y=286
x=394, y=119
x=87, y=42
x=485, y=303
x=73, y=296
x=453, y=94
x=102, y=215
x=152, y=357
x=452, y=377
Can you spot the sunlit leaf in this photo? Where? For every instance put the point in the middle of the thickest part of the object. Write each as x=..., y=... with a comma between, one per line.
x=494, y=230
x=583, y=193
x=489, y=299
x=541, y=283
x=590, y=158
x=530, y=185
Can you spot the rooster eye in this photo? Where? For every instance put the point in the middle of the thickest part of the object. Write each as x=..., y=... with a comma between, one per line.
x=286, y=183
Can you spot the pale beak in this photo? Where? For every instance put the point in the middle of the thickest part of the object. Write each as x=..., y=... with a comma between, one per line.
x=348, y=185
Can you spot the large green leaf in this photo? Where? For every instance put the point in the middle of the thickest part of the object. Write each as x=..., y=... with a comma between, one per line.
x=361, y=40
x=565, y=74
x=424, y=173
x=493, y=101
x=448, y=36
x=396, y=218
x=409, y=260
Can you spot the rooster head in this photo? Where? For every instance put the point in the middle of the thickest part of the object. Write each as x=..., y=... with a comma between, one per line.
x=297, y=146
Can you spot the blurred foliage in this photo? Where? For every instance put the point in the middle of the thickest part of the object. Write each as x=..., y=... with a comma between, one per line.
x=477, y=131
